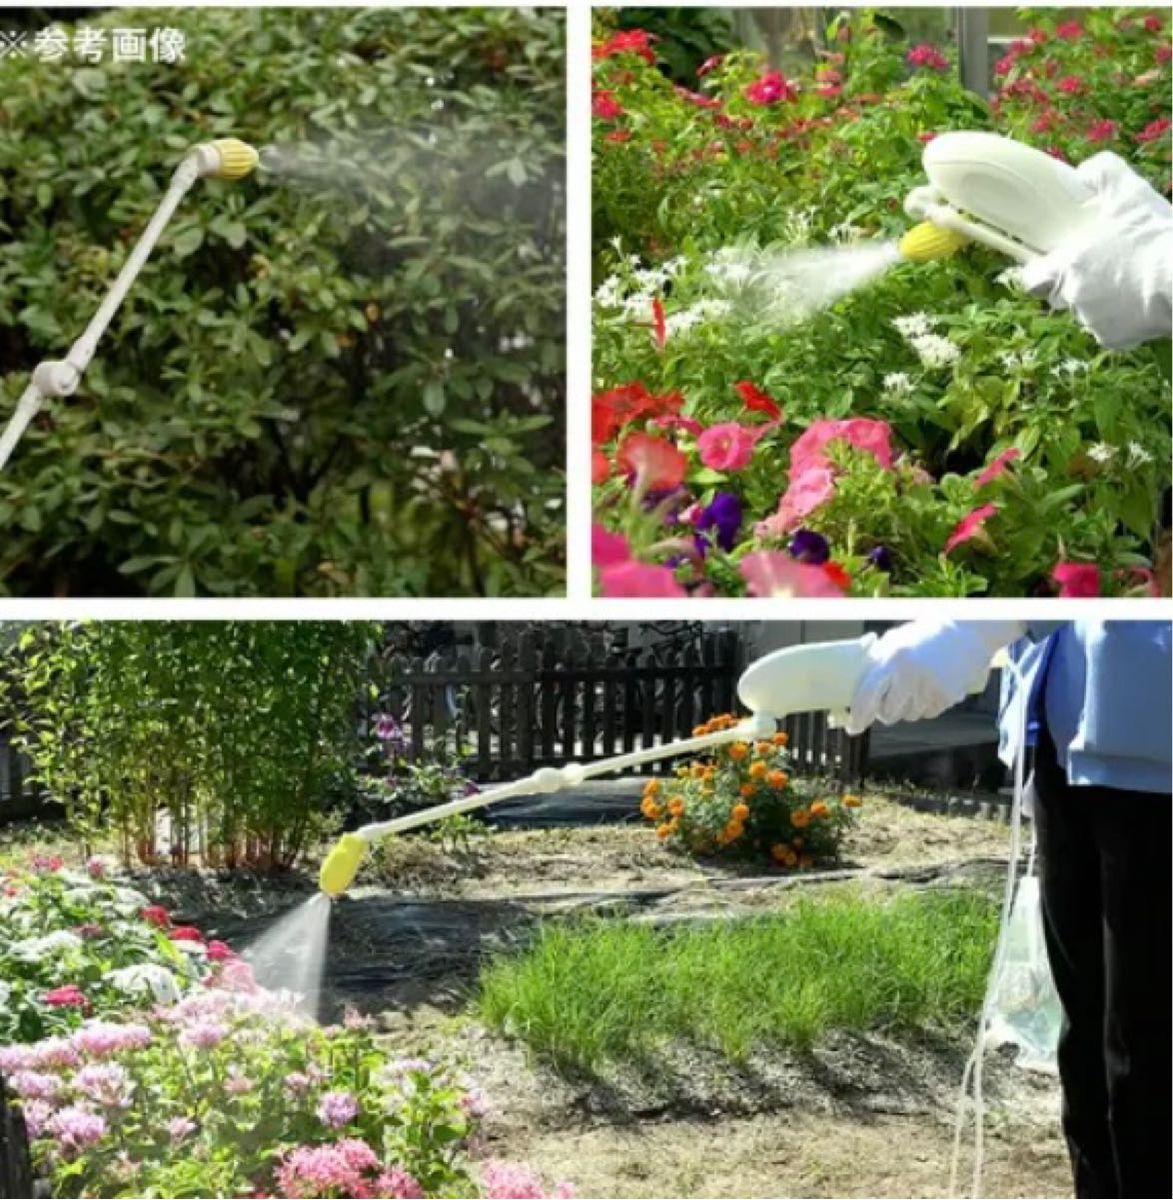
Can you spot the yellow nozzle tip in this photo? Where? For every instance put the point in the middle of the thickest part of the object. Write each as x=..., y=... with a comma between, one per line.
x=927, y=242
x=237, y=158
x=341, y=864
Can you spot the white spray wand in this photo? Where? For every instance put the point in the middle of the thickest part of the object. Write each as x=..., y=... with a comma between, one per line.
x=810, y=678
x=994, y=190
x=226, y=158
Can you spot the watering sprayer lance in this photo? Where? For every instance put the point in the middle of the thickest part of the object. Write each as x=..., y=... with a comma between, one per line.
x=994, y=190
x=820, y=677
x=226, y=158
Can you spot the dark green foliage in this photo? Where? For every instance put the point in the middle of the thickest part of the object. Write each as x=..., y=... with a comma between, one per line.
x=346, y=379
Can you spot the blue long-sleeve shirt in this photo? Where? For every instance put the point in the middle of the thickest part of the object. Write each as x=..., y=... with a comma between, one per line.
x=1105, y=692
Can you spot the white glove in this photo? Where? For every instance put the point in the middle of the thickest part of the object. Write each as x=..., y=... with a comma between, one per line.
x=920, y=669
x=1117, y=277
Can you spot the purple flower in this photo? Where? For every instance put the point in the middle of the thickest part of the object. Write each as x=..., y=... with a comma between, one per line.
x=76, y=1129
x=106, y=1084
x=204, y=1035
x=881, y=558
x=809, y=547
x=337, y=1109
x=237, y=1084
x=399, y=1183
x=297, y=1082
x=179, y=1128
x=35, y=1085
x=388, y=730
x=722, y=515
x=101, y=1038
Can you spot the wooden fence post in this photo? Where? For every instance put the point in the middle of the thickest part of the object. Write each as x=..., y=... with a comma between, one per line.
x=16, y=1170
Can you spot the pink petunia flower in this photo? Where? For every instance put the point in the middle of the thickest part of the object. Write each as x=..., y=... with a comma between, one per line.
x=654, y=462
x=608, y=549
x=636, y=579
x=997, y=467
x=772, y=573
x=727, y=447
x=873, y=437
x=806, y=493
x=969, y=526
x=769, y=88
x=1077, y=579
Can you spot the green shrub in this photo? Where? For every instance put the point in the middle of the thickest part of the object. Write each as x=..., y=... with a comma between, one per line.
x=243, y=732
x=347, y=378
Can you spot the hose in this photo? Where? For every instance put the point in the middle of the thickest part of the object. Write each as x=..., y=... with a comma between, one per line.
x=974, y=1064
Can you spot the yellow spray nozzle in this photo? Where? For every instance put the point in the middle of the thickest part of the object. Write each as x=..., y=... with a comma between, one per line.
x=236, y=158
x=927, y=242
x=341, y=864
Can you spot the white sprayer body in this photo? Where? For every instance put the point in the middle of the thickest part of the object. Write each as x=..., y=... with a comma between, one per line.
x=1007, y=195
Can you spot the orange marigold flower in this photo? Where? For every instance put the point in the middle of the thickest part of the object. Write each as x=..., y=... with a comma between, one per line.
x=701, y=730
x=747, y=790
x=663, y=831
x=734, y=829
x=757, y=770
x=780, y=739
x=777, y=779
x=651, y=787
x=740, y=812
x=820, y=808
x=738, y=751
x=800, y=818
x=651, y=809
x=779, y=852
x=763, y=747
x=676, y=806
x=850, y=801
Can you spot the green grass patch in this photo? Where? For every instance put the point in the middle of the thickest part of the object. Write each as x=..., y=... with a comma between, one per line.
x=586, y=995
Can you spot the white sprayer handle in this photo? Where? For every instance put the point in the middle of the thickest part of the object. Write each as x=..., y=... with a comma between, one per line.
x=554, y=779
x=27, y=407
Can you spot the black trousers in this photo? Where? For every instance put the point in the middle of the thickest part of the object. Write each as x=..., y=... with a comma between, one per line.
x=1104, y=868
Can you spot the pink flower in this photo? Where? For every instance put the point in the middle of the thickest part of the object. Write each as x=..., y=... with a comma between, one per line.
x=1154, y=130
x=688, y=424
x=336, y=1109
x=710, y=64
x=873, y=437
x=340, y=1169
x=237, y=976
x=36, y=1115
x=1072, y=85
x=806, y=493
x=659, y=324
x=1077, y=579
x=925, y=55
x=53, y=1053
x=220, y=951
x=608, y=549
x=47, y=864
x=399, y=1183
x=769, y=88
x=204, y=1035
x=654, y=462
x=997, y=467
x=96, y=868
x=76, y=1129
x=515, y=1181
x=36, y=1085
x=772, y=573
x=179, y=1129
x=727, y=447
x=633, y=578
x=67, y=996
x=969, y=526
x=99, y=1039
x=107, y=1085
x=1153, y=23
x=1101, y=131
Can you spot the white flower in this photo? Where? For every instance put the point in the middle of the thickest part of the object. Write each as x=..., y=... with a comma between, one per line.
x=934, y=350
x=53, y=945
x=1101, y=452
x=147, y=979
x=1018, y=360
x=914, y=325
x=1138, y=456
x=897, y=383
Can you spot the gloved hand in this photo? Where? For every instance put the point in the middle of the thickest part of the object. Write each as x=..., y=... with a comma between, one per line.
x=1116, y=277
x=920, y=669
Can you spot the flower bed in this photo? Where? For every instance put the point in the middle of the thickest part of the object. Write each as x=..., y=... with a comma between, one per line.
x=934, y=432
x=740, y=802
x=220, y=1088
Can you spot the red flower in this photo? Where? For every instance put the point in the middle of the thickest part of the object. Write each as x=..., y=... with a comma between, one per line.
x=1153, y=23
x=608, y=549
x=659, y=324
x=1101, y=131
x=619, y=135
x=757, y=401
x=698, y=98
x=837, y=575
x=220, y=951
x=600, y=467
x=997, y=467
x=925, y=138
x=1164, y=53
x=47, y=863
x=68, y=996
x=605, y=106
x=1071, y=84
x=610, y=411
x=769, y=88
x=627, y=41
x=1069, y=31
x=654, y=462
x=710, y=64
x=186, y=933
x=969, y=526
x=1154, y=130
x=156, y=914
x=1077, y=579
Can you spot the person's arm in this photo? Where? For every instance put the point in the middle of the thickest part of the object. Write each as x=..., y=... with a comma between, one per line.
x=1117, y=277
